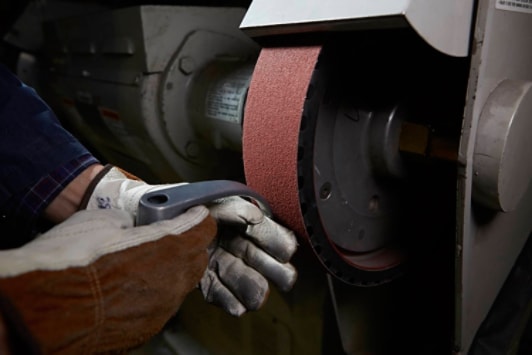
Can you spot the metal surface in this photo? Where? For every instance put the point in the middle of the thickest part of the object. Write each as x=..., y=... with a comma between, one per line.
x=346, y=161
x=123, y=80
x=216, y=103
x=202, y=60
x=171, y=202
x=501, y=160
x=488, y=242
x=352, y=203
x=428, y=18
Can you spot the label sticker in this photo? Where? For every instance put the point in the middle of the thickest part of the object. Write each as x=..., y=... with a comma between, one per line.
x=515, y=5
x=225, y=99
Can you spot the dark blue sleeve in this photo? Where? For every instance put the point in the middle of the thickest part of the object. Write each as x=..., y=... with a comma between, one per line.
x=33, y=146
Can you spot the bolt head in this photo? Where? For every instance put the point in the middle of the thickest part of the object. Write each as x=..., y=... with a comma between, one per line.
x=187, y=65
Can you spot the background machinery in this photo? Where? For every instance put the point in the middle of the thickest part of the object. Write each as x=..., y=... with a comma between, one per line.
x=392, y=136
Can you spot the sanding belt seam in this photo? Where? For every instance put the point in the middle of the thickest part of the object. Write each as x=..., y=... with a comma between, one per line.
x=272, y=120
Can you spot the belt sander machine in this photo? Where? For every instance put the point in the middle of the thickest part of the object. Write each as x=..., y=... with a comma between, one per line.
x=391, y=136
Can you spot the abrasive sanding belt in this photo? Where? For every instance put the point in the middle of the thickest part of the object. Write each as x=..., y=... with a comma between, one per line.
x=272, y=119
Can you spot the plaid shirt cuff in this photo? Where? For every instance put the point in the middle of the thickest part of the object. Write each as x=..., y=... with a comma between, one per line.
x=48, y=187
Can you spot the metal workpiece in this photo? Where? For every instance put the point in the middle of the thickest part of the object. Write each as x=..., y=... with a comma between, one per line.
x=172, y=201
x=445, y=25
x=501, y=159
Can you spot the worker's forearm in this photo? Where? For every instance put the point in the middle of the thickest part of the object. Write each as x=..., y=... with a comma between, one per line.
x=68, y=201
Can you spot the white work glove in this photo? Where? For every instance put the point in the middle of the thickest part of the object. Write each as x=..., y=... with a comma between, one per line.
x=114, y=188
x=249, y=250
x=97, y=284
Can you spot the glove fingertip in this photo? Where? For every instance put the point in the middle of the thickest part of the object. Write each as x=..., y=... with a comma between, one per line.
x=289, y=250
x=286, y=279
x=216, y=293
x=259, y=302
x=287, y=286
x=236, y=311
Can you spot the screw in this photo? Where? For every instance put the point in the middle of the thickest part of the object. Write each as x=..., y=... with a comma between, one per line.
x=325, y=191
x=192, y=150
x=187, y=65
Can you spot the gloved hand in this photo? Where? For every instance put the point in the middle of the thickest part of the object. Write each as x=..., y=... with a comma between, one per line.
x=250, y=249
x=95, y=283
x=114, y=188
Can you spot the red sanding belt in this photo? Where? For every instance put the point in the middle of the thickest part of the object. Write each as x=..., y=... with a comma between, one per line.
x=272, y=118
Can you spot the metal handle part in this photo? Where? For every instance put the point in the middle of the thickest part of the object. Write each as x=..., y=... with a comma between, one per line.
x=168, y=203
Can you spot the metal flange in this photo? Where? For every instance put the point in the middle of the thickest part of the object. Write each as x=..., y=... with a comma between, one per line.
x=501, y=161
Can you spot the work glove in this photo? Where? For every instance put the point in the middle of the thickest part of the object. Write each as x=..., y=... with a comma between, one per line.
x=249, y=250
x=95, y=283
